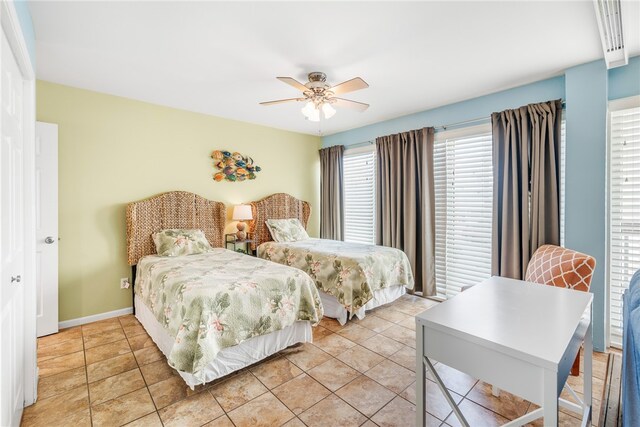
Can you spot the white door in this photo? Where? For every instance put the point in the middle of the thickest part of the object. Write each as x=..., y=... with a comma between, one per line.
x=46, y=181
x=11, y=239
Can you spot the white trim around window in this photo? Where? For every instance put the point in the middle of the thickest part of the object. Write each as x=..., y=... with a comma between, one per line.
x=623, y=204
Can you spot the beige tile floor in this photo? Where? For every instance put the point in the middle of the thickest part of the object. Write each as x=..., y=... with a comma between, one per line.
x=110, y=373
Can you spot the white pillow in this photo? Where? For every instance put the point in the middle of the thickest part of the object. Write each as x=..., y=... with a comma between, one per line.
x=286, y=230
x=177, y=242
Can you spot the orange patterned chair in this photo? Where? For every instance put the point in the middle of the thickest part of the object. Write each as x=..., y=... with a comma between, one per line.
x=565, y=268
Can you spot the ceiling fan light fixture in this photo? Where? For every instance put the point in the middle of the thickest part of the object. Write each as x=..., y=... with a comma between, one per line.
x=328, y=110
x=319, y=97
x=308, y=108
x=311, y=112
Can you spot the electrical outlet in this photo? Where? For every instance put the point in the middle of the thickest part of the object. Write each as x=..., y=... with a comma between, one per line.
x=124, y=283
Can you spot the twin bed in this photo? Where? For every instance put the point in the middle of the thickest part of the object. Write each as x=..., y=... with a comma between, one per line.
x=215, y=311
x=352, y=278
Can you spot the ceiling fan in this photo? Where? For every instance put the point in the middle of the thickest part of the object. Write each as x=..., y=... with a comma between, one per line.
x=320, y=97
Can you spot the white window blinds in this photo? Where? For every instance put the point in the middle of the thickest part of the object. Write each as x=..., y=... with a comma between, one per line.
x=624, y=205
x=463, y=203
x=359, y=195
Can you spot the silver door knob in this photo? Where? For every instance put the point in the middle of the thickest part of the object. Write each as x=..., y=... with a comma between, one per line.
x=16, y=279
x=49, y=240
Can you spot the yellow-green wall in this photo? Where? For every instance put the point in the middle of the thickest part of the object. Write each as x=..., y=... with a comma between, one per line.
x=114, y=150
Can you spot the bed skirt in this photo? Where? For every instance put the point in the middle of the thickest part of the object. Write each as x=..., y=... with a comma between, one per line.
x=229, y=359
x=335, y=310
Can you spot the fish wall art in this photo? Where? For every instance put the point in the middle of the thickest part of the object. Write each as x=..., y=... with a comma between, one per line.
x=233, y=166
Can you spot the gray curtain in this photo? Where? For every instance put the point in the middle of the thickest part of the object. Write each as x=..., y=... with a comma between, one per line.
x=526, y=185
x=332, y=193
x=405, y=208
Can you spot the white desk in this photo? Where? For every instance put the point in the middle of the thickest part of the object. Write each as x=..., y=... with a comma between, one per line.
x=518, y=336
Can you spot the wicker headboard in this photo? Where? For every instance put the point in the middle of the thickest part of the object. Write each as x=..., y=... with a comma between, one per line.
x=175, y=209
x=275, y=206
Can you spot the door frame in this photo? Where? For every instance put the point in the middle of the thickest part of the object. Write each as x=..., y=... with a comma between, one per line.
x=10, y=24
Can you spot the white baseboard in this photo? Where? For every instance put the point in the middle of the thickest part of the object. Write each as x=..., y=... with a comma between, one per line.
x=94, y=318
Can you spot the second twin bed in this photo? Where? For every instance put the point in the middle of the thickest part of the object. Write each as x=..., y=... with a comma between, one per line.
x=352, y=277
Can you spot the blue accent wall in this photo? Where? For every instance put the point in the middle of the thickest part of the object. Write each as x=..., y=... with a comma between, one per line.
x=585, y=182
x=544, y=90
x=26, y=24
x=586, y=90
x=625, y=81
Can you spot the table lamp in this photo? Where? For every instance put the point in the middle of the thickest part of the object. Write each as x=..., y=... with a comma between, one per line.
x=242, y=213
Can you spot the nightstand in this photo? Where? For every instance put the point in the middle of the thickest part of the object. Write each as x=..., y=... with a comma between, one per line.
x=232, y=243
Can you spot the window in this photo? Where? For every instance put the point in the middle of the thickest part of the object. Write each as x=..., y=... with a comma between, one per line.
x=359, y=195
x=463, y=175
x=623, y=205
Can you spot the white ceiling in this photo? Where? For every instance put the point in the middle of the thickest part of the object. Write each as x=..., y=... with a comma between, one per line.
x=222, y=58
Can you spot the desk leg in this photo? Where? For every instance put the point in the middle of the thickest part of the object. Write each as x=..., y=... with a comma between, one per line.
x=550, y=402
x=588, y=375
x=421, y=375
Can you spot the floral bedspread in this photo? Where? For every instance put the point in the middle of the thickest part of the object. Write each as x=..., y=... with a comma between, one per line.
x=351, y=272
x=221, y=298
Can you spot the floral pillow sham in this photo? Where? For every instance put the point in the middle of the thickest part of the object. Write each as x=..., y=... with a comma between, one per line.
x=177, y=242
x=286, y=230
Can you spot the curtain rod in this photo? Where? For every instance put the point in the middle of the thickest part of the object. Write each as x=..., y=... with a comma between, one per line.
x=437, y=128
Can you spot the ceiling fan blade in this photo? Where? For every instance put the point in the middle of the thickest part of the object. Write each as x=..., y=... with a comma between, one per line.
x=349, y=86
x=293, y=82
x=354, y=105
x=281, y=101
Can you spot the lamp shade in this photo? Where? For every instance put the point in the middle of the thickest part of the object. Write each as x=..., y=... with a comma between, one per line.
x=242, y=213
x=328, y=110
x=311, y=112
